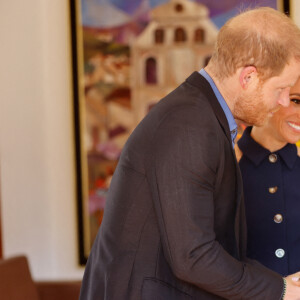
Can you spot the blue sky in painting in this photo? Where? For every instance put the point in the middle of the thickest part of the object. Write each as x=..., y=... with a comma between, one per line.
x=216, y=6
x=109, y=13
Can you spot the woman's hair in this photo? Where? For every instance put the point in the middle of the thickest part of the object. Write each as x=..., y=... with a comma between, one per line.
x=262, y=37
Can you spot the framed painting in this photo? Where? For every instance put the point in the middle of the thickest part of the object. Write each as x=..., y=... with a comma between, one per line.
x=126, y=56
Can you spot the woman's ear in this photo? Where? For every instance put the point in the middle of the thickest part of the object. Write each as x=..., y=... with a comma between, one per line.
x=247, y=75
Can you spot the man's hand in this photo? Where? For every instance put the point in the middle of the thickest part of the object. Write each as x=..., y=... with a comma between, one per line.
x=292, y=287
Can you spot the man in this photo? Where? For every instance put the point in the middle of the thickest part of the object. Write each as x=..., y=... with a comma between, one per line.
x=174, y=225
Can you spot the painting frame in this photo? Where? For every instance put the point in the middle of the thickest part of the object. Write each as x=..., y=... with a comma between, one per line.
x=81, y=161
x=77, y=88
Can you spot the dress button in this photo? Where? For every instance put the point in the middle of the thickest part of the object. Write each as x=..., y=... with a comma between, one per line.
x=272, y=158
x=273, y=189
x=278, y=218
x=280, y=253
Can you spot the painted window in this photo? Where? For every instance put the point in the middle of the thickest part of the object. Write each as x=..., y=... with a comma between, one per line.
x=180, y=35
x=199, y=35
x=151, y=72
x=159, y=35
x=179, y=7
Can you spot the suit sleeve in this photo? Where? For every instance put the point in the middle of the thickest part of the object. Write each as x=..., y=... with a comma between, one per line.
x=184, y=162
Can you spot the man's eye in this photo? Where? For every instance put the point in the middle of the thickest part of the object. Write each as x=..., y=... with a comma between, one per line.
x=296, y=101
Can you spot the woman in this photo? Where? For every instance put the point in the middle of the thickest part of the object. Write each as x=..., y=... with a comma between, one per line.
x=270, y=166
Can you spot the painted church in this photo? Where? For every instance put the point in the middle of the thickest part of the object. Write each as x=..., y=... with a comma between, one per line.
x=178, y=40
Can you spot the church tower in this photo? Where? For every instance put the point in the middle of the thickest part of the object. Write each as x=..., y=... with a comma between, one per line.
x=178, y=40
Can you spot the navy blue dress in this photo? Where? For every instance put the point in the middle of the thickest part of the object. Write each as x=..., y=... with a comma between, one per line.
x=272, y=200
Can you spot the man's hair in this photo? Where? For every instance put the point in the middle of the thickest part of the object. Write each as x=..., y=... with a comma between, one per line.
x=262, y=37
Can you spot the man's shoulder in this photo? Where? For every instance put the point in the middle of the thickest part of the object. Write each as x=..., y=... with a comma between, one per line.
x=184, y=98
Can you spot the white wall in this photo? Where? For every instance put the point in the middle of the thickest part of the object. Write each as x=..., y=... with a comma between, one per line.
x=36, y=138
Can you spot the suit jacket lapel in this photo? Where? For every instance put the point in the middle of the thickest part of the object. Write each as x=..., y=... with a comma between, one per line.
x=199, y=81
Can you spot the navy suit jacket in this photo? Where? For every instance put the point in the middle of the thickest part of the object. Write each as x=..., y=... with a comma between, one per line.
x=174, y=225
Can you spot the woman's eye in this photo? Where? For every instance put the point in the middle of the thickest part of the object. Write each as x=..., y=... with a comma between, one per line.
x=296, y=101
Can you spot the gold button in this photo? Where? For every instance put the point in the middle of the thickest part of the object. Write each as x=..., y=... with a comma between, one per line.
x=273, y=189
x=278, y=218
x=272, y=158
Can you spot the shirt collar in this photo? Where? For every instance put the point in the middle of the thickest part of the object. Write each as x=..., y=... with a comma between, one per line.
x=257, y=153
x=230, y=119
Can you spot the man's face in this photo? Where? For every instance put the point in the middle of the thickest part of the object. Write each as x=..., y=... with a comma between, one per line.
x=261, y=100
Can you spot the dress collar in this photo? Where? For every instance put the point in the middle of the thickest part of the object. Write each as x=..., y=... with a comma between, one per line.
x=257, y=153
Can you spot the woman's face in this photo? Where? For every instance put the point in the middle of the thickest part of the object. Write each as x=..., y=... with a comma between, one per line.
x=286, y=121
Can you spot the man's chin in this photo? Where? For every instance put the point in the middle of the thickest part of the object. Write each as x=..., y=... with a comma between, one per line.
x=256, y=122
x=261, y=122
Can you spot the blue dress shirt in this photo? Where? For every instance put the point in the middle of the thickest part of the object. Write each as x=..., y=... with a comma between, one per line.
x=230, y=119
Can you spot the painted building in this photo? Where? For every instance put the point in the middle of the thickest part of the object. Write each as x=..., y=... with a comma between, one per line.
x=178, y=40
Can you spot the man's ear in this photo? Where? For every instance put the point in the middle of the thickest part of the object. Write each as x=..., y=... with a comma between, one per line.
x=247, y=76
